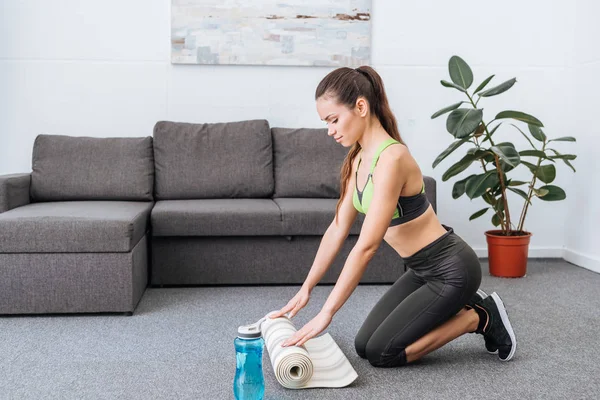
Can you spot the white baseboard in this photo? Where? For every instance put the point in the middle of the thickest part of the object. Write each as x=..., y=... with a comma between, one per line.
x=582, y=260
x=534, y=252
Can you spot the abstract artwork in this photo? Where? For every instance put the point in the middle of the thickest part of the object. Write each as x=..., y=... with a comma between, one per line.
x=271, y=32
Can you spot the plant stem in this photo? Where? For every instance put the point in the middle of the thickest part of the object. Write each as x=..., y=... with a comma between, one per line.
x=526, y=205
x=493, y=199
x=506, y=212
x=498, y=212
x=505, y=227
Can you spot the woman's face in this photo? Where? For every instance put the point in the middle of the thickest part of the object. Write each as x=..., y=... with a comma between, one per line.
x=344, y=125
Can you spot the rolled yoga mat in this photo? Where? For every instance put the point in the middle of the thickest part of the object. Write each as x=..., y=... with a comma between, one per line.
x=317, y=363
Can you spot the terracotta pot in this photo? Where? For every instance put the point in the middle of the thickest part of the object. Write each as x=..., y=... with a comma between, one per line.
x=507, y=254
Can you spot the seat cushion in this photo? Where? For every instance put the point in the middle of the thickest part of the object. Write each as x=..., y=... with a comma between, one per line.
x=307, y=163
x=302, y=216
x=216, y=217
x=86, y=168
x=74, y=227
x=222, y=160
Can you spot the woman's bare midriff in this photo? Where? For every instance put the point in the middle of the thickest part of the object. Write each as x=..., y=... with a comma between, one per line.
x=408, y=238
x=412, y=236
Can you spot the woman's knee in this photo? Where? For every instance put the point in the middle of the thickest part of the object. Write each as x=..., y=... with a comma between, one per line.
x=385, y=357
x=360, y=344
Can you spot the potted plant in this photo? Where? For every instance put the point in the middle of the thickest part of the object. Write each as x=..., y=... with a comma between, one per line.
x=507, y=246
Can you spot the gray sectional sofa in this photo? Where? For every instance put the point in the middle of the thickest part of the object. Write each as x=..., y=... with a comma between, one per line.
x=100, y=219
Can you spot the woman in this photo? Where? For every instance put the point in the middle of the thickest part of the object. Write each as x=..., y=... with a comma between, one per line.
x=437, y=299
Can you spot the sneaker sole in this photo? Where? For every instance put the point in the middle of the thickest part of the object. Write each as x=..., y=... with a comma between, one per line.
x=506, y=324
x=483, y=295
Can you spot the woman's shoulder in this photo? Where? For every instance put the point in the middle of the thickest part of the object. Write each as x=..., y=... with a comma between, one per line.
x=395, y=152
x=399, y=159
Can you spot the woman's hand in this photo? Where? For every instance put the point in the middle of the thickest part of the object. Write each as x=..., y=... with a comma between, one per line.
x=310, y=330
x=299, y=301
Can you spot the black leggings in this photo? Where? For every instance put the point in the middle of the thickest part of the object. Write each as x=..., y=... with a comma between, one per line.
x=440, y=280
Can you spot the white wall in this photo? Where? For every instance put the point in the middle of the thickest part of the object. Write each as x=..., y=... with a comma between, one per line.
x=102, y=69
x=582, y=234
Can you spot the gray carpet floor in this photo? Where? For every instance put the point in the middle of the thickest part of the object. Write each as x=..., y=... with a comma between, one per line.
x=179, y=345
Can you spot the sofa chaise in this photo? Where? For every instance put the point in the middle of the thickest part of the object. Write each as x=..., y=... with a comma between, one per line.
x=74, y=232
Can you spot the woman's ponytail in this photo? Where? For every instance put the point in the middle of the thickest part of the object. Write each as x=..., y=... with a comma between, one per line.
x=381, y=107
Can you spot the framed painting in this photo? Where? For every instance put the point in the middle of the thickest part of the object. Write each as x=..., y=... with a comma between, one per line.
x=271, y=32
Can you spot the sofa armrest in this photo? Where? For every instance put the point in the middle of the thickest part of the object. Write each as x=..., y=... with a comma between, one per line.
x=431, y=191
x=14, y=191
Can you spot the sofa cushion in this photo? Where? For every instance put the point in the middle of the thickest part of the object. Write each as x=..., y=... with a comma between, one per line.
x=74, y=227
x=86, y=168
x=216, y=217
x=307, y=163
x=303, y=216
x=222, y=160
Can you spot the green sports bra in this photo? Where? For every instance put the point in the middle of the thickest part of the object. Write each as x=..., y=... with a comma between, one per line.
x=407, y=208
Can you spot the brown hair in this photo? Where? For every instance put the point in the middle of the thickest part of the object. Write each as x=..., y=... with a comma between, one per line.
x=345, y=85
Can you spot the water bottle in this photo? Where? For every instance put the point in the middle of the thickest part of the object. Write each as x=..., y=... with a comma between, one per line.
x=249, y=382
